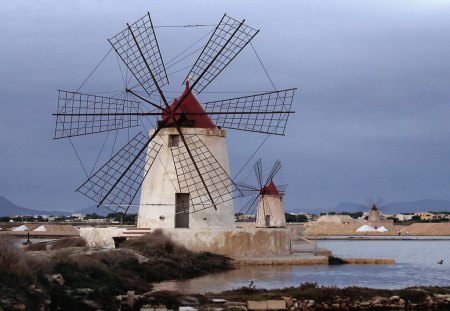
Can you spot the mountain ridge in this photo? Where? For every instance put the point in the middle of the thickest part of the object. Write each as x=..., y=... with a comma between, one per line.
x=8, y=208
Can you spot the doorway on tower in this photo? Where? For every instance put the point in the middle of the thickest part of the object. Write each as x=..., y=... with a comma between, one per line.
x=267, y=220
x=181, y=210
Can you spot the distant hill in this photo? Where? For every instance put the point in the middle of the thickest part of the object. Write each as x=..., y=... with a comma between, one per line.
x=397, y=207
x=350, y=207
x=8, y=208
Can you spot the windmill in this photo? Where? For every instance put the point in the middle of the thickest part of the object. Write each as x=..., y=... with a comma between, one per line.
x=266, y=197
x=182, y=165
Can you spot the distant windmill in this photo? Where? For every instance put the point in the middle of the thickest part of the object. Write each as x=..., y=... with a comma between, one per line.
x=266, y=198
x=192, y=171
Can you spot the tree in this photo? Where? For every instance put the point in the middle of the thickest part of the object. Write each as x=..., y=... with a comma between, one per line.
x=93, y=216
x=416, y=218
x=296, y=218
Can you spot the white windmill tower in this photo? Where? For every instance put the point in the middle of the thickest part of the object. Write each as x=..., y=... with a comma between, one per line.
x=268, y=198
x=174, y=194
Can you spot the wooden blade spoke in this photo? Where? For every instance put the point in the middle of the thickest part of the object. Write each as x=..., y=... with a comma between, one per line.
x=117, y=182
x=251, y=206
x=227, y=41
x=82, y=114
x=213, y=187
x=247, y=190
x=282, y=189
x=138, y=48
x=261, y=113
x=275, y=169
x=258, y=172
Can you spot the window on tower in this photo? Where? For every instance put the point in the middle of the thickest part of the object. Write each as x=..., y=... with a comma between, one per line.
x=174, y=140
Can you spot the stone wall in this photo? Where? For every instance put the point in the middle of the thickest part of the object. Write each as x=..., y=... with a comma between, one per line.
x=243, y=242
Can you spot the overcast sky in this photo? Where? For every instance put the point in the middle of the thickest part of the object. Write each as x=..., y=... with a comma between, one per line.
x=372, y=108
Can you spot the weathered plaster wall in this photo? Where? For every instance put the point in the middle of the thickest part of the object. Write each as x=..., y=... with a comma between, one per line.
x=157, y=202
x=241, y=242
x=271, y=205
x=248, y=242
x=100, y=237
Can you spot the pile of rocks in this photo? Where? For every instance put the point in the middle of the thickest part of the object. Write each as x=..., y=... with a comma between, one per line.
x=374, y=303
x=434, y=301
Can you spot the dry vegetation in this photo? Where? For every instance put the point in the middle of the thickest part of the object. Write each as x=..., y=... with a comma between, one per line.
x=95, y=275
x=68, y=242
x=36, y=247
x=14, y=265
x=172, y=261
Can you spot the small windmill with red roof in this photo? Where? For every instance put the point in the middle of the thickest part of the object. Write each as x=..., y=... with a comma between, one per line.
x=182, y=167
x=267, y=198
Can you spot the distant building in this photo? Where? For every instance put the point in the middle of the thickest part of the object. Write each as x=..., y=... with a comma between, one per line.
x=404, y=217
x=374, y=214
x=424, y=215
x=336, y=219
x=441, y=216
x=375, y=219
x=78, y=216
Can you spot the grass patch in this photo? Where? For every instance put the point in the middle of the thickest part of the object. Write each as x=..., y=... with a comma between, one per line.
x=35, y=247
x=15, y=266
x=68, y=242
x=17, y=274
x=169, y=260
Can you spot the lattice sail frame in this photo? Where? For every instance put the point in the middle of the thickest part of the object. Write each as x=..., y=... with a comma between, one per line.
x=255, y=192
x=82, y=114
x=263, y=113
x=117, y=182
x=227, y=41
x=138, y=48
x=219, y=183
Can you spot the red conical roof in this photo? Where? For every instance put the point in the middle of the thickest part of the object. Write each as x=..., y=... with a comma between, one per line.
x=270, y=189
x=189, y=105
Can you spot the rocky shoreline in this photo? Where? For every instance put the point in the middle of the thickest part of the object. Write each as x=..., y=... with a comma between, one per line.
x=303, y=298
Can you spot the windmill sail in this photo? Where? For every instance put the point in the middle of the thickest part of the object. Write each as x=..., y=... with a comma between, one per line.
x=262, y=113
x=138, y=48
x=218, y=183
x=81, y=114
x=117, y=182
x=265, y=187
x=227, y=41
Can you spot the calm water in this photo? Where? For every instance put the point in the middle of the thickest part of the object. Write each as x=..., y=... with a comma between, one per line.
x=416, y=265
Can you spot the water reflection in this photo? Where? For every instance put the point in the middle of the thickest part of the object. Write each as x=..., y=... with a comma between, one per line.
x=416, y=265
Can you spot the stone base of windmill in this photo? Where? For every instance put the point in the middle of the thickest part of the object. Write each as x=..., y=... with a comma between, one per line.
x=239, y=242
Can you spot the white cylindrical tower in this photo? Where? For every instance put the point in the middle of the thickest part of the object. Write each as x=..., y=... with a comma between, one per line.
x=172, y=193
x=270, y=211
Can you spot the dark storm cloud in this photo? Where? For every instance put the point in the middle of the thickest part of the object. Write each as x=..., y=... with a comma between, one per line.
x=372, y=108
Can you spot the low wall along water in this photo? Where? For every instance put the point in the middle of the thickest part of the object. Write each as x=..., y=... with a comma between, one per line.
x=241, y=242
